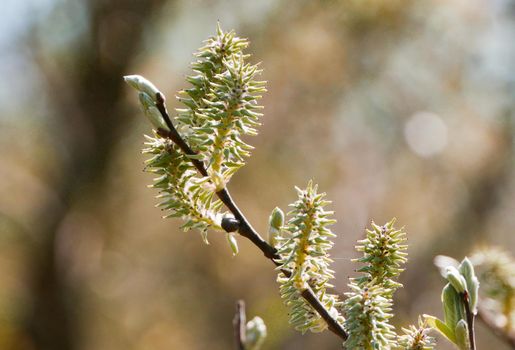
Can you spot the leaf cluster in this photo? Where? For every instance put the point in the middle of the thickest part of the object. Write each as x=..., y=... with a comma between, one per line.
x=458, y=295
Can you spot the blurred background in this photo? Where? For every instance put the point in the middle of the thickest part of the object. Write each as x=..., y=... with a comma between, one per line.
x=395, y=107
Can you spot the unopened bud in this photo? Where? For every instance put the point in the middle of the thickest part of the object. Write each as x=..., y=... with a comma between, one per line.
x=276, y=218
x=276, y=222
x=466, y=268
x=467, y=271
x=142, y=85
x=456, y=279
x=255, y=333
x=232, y=243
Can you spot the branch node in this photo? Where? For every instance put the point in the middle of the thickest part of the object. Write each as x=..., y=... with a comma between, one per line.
x=230, y=224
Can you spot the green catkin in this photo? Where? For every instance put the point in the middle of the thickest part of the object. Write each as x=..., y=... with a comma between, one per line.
x=368, y=311
x=304, y=250
x=384, y=254
x=175, y=172
x=416, y=338
x=221, y=106
x=368, y=304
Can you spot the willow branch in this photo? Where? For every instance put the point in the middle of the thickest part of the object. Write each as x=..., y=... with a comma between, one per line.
x=470, y=321
x=245, y=228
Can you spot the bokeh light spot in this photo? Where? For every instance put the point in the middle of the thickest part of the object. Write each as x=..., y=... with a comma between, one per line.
x=426, y=134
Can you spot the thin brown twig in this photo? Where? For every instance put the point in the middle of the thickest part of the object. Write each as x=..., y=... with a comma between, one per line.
x=470, y=321
x=245, y=228
x=239, y=322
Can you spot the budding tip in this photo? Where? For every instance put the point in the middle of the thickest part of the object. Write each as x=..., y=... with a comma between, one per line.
x=141, y=84
x=132, y=80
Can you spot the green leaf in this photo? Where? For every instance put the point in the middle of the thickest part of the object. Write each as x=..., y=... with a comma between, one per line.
x=452, y=306
x=441, y=327
x=467, y=270
x=232, y=243
x=462, y=338
x=456, y=279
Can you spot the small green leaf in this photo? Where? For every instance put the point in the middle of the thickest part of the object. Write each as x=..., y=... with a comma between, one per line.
x=456, y=279
x=452, y=306
x=441, y=327
x=462, y=338
x=232, y=243
x=467, y=271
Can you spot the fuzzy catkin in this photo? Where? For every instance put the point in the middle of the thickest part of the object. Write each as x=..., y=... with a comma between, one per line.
x=304, y=250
